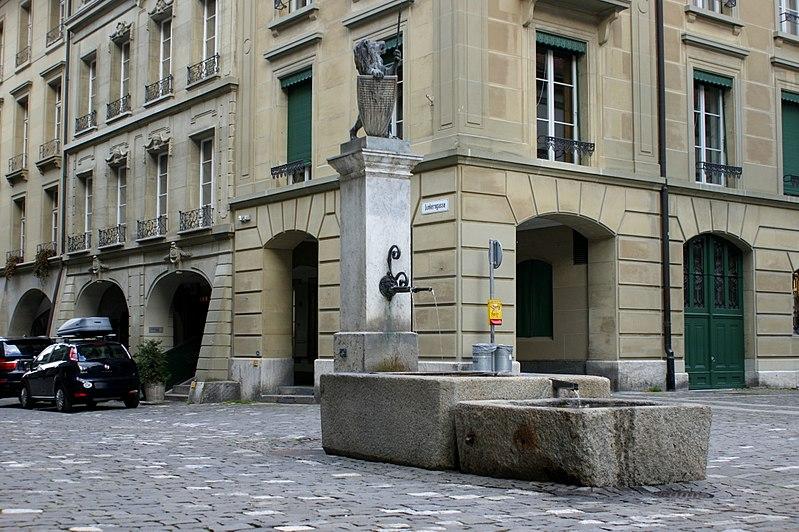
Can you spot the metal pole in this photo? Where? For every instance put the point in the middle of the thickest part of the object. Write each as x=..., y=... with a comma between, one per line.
x=491, y=279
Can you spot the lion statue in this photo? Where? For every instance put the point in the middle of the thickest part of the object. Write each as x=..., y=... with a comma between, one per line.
x=369, y=62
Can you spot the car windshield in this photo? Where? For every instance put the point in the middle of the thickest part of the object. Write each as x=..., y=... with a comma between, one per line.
x=24, y=349
x=101, y=352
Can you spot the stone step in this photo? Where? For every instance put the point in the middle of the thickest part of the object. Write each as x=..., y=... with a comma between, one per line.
x=171, y=396
x=182, y=389
x=289, y=399
x=296, y=390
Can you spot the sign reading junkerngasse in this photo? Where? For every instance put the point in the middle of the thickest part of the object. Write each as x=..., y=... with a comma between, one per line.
x=434, y=206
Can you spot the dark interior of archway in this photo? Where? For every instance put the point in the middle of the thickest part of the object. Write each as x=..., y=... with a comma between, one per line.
x=189, y=312
x=114, y=306
x=305, y=281
x=40, y=324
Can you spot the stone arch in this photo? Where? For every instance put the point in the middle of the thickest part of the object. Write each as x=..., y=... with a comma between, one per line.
x=31, y=316
x=106, y=298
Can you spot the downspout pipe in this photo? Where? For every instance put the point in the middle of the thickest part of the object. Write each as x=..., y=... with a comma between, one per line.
x=664, y=198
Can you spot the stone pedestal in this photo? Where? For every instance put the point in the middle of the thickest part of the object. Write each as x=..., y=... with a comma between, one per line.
x=376, y=214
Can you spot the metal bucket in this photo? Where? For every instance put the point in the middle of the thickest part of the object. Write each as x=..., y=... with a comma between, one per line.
x=503, y=359
x=483, y=357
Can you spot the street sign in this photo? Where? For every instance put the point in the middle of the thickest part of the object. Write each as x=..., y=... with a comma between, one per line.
x=494, y=312
x=495, y=253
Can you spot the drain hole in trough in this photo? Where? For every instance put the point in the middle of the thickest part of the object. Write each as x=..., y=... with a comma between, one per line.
x=679, y=494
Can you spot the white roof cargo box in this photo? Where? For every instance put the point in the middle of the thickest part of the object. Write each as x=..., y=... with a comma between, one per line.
x=97, y=326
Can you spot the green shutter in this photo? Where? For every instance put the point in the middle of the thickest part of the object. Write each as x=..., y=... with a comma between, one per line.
x=712, y=79
x=299, y=122
x=294, y=79
x=563, y=43
x=534, y=299
x=788, y=96
x=790, y=155
x=392, y=43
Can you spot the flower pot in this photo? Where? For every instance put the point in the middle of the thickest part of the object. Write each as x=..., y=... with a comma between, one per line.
x=376, y=98
x=154, y=392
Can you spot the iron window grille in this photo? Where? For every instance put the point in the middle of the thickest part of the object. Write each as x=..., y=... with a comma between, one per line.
x=49, y=149
x=46, y=246
x=18, y=163
x=715, y=172
x=204, y=69
x=118, y=107
x=790, y=185
x=296, y=171
x=24, y=56
x=563, y=146
x=15, y=254
x=79, y=242
x=201, y=218
x=111, y=236
x=87, y=121
x=55, y=34
x=151, y=228
x=160, y=88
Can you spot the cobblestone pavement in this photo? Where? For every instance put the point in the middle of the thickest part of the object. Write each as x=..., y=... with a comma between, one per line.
x=230, y=467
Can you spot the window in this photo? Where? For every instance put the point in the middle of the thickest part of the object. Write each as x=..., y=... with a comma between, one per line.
x=206, y=172
x=52, y=197
x=557, y=64
x=57, y=112
x=294, y=5
x=790, y=133
x=796, y=302
x=299, y=89
x=25, y=25
x=124, y=69
x=789, y=16
x=534, y=299
x=162, y=182
x=122, y=193
x=397, y=119
x=209, y=29
x=24, y=118
x=709, y=128
x=21, y=223
x=717, y=6
x=88, y=206
x=91, y=85
x=165, y=49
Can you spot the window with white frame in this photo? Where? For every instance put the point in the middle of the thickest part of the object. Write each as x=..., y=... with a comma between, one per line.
x=25, y=118
x=161, y=185
x=788, y=14
x=53, y=199
x=165, y=49
x=124, y=69
x=710, y=142
x=209, y=29
x=88, y=205
x=91, y=86
x=557, y=104
x=206, y=172
x=57, y=106
x=21, y=209
x=717, y=6
x=122, y=194
x=294, y=5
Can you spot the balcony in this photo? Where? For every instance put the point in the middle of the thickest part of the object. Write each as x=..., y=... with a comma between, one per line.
x=49, y=155
x=111, y=236
x=15, y=255
x=790, y=185
x=151, y=229
x=86, y=122
x=576, y=148
x=203, y=70
x=23, y=56
x=196, y=220
x=728, y=176
x=79, y=243
x=159, y=89
x=118, y=108
x=46, y=247
x=293, y=172
x=17, y=168
x=55, y=35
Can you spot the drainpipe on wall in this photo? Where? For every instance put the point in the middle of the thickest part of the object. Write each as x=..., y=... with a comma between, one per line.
x=664, y=199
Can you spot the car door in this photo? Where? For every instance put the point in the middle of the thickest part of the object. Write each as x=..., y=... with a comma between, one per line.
x=35, y=376
x=52, y=368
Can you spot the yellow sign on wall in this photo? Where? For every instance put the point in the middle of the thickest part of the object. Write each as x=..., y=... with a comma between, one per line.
x=494, y=312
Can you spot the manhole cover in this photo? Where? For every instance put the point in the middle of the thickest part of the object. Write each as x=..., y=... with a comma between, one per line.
x=678, y=494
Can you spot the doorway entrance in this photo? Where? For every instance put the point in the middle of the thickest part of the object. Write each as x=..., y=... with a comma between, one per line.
x=304, y=282
x=714, y=319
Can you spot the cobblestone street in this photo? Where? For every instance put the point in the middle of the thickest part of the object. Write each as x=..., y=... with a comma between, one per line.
x=240, y=466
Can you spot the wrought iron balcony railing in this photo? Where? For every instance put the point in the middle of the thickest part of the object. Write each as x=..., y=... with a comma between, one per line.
x=50, y=247
x=55, y=34
x=111, y=236
x=296, y=171
x=790, y=185
x=201, y=218
x=24, y=56
x=203, y=69
x=151, y=228
x=79, y=242
x=87, y=121
x=15, y=254
x=158, y=89
x=561, y=145
x=714, y=171
x=18, y=163
x=118, y=107
x=49, y=149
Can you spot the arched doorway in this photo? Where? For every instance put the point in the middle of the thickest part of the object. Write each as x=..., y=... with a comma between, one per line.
x=291, y=332
x=176, y=310
x=714, y=315
x=566, y=294
x=105, y=298
x=32, y=315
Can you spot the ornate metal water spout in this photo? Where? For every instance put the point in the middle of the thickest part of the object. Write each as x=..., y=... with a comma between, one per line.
x=391, y=284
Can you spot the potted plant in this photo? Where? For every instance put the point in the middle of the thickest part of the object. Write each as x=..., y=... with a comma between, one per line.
x=153, y=374
x=41, y=264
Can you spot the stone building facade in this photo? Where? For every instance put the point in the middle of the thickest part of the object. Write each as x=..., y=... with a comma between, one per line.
x=538, y=123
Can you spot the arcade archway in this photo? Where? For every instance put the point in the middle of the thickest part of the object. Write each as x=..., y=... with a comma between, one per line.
x=32, y=315
x=105, y=298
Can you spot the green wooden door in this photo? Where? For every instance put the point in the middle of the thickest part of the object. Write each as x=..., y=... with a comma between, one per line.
x=533, y=299
x=714, y=333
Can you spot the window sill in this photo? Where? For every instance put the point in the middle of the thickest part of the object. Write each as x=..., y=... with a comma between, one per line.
x=149, y=239
x=108, y=247
x=17, y=176
x=203, y=80
x=120, y=116
x=158, y=100
x=55, y=45
x=78, y=252
x=194, y=230
x=781, y=37
x=84, y=131
x=693, y=12
x=308, y=12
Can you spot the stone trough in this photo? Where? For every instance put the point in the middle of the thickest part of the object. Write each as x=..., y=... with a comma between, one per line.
x=409, y=418
x=600, y=442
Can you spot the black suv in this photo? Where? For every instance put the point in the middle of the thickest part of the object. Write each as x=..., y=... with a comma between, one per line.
x=81, y=371
x=15, y=357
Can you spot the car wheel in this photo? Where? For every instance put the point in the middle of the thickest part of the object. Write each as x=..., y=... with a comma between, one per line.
x=132, y=401
x=62, y=400
x=25, y=399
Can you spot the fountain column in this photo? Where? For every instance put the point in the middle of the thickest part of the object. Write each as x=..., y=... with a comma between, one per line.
x=375, y=215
